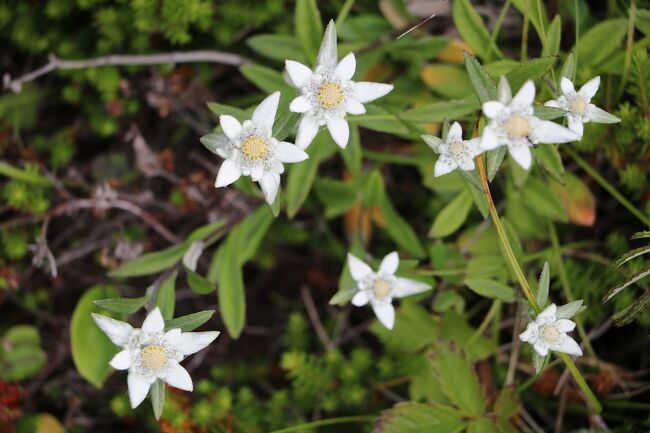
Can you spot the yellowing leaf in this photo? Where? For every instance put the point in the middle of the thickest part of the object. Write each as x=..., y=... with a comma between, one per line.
x=450, y=81
x=578, y=200
x=454, y=53
x=48, y=424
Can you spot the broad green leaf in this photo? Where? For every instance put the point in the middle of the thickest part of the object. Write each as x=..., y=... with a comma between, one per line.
x=166, y=297
x=343, y=296
x=372, y=190
x=569, y=310
x=221, y=109
x=542, y=286
x=600, y=42
x=439, y=111
x=533, y=8
x=400, y=231
x=268, y=80
x=533, y=69
x=549, y=157
x=284, y=124
x=482, y=425
x=415, y=328
x=549, y=113
x=364, y=28
x=448, y=81
x=471, y=27
x=458, y=380
x=456, y=330
x=232, y=302
x=494, y=160
x=190, y=322
x=452, y=217
x=352, y=153
x=278, y=47
x=21, y=355
x=553, y=38
x=204, y=231
x=643, y=21
x=337, y=196
x=213, y=142
x=417, y=50
x=378, y=119
x=157, y=397
x=485, y=88
x=541, y=199
x=411, y=417
x=491, y=289
x=122, y=305
x=568, y=68
x=91, y=348
x=309, y=27
x=151, y=263
x=198, y=283
x=479, y=199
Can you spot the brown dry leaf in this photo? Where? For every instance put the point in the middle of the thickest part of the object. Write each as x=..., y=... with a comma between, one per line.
x=577, y=199
x=454, y=52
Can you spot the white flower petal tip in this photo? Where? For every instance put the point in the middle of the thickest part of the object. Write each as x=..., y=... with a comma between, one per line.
x=154, y=322
x=567, y=86
x=504, y=91
x=231, y=126
x=300, y=105
x=298, y=73
x=358, y=268
x=264, y=114
x=270, y=184
x=346, y=67
x=550, y=133
x=339, y=130
x=288, y=152
x=526, y=95
x=522, y=155
x=138, y=389
x=360, y=299
x=193, y=342
x=385, y=313
x=390, y=263
x=491, y=109
x=122, y=361
x=589, y=89
x=407, y=287
x=117, y=331
x=307, y=130
x=179, y=378
x=365, y=91
x=228, y=173
x=441, y=168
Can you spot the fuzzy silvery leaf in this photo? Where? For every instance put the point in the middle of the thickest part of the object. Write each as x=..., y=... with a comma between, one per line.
x=569, y=310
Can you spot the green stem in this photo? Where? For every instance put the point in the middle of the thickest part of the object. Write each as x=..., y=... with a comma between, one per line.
x=566, y=286
x=343, y=13
x=497, y=27
x=524, y=33
x=628, y=47
x=607, y=186
x=576, y=18
x=324, y=422
x=496, y=304
x=512, y=260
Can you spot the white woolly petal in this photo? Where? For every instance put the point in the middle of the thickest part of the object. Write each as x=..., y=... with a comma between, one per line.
x=551, y=132
x=138, y=389
x=300, y=105
x=525, y=96
x=257, y=173
x=566, y=325
x=360, y=299
x=173, y=336
x=467, y=165
x=522, y=155
x=116, y=330
x=455, y=133
x=270, y=183
x=385, y=313
x=598, y=115
x=576, y=126
x=355, y=107
x=228, y=173
x=567, y=86
x=568, y=345
x=298, y=73
x=441, y=168
x=123, y=360
x=541, y=347
x=154, y=322
x=491, y=109
x=358, y=268
x=504, y=91
x=552, y=103
x=346, y=67
x=390, y=263
x=489, y=139
x=339, y=130
x=192, y=342
x=474, y=145
x=287, y=152
x=546, y=316
x=530, y=334
x=327, y=54
x=366, y=91
x=407, y=287
x=231, y=126
x=178, y=377
x=589, y=89
x=307, y=130
x=264, y=114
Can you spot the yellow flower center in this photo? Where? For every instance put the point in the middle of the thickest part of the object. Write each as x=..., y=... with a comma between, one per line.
x=382, y=288
x=254, y=147
x=517, y=126
x=329, y=95
x=456, y=148
x=154, y=357
x=578, y=105
x=551, y=333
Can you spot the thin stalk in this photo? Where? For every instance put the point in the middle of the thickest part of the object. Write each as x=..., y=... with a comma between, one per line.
x=628, y=47
x=524, y=33
x=576, y=18
x=324, y=422
x=607, y=186
x=496, y=304
x=343, y=13
x=545, y=41
x=512, y=260
x=497, y=27
x=566, y=286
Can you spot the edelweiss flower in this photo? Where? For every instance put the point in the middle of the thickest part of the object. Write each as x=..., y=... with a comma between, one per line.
x=150, y=353
x=252, y=151
x=328, y=94
x=379, y=288
x=513, y=124
x=548, y=332
x=578, y=105
x=455, y=152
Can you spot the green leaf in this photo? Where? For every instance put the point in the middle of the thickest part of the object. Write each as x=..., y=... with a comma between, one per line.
x=278, y=47
x=539, y=361
x=157, y=397
x=166, y=297
x=553, y=38
x=568, y=68
x=494, y=160
x=411, y=417
x=549, y=113
x=452, y=217
x=491, y=289
x=21, y=355
x=151, y=263
x=237, y=113
x=439, y=111
x=482, y=425
x=343, y=296
x=643, y=21
x=232, y=302
x=29, y=175
x=91, y=348
x=542, y=287
x=415, y=328
x=569, y=310
x=400, y=231
x=458, y=380
x=533, y=8
x=378, y=119
x=486, y=89
x=204, y=231
x=352, y=153
x=309, y=27
x=284, y=124
x=190, y=322
x=533, y=69
x=541, y=199
x=471, y=27
x=268, y=80
x=448, y=81
x=122, y=305
x=337, y=196
x=549, y=157
x=600, y=42
x=198, y=283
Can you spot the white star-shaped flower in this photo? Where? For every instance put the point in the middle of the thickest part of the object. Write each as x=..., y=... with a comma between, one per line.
x=379, y=288
x=578, y=105
x=328, y=93
x=455, y=152
x=251, y=150
x=151, y=354
x=513, y=124
x=548, y=332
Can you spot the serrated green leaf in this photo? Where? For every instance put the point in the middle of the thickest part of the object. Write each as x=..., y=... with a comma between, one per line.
x=122, y=305
x=411, y=417
x=485, y=88
x=533, y=69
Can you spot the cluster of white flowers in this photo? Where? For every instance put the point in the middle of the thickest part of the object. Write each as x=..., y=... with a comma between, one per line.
x=512, y=123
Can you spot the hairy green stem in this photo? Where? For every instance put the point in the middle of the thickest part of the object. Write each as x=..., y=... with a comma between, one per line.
x=607, y=186
x=324, y=422
x=514, y=264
